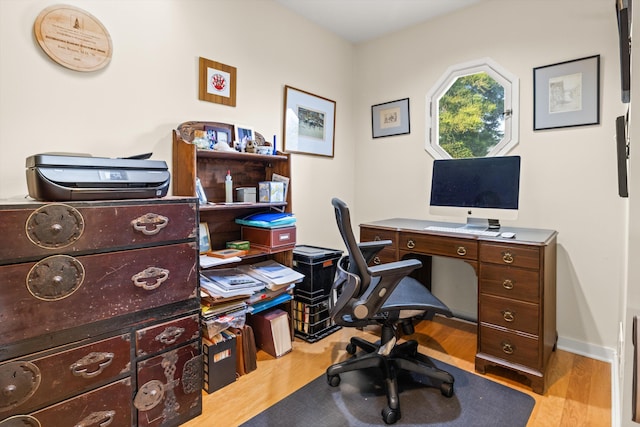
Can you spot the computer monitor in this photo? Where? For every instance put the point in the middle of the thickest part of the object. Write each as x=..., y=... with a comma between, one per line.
x=485, y=190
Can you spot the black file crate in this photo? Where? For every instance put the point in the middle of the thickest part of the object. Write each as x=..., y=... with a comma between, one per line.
x=319, y=268
x=219, y=363
x=311, y=318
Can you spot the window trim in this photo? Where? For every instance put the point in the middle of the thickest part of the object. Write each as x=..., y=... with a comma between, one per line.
x=511, y=86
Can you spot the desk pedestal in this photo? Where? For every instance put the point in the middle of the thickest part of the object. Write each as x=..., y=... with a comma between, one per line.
x=516, y=288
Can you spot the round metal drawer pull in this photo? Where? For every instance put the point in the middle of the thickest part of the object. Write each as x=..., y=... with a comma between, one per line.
x=150, y=224
x=462, y=251
x=508, y=348
x=508, y=316
x=411, y=244
x=20, y=421
x=376, y=260
x=54, y=226
x=507, y=284
x=507, y=257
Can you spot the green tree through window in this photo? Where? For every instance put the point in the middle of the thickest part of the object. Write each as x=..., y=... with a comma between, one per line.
x=471, y=116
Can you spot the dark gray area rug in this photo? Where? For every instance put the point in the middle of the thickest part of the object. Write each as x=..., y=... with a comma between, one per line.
x=360, y=398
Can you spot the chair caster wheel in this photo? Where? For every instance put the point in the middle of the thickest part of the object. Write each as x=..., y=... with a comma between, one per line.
x=446, y=389
x=351, y=348
x=390, y=416
x=333, y=380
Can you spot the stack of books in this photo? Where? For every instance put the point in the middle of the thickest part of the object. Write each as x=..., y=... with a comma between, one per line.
x=279, y=281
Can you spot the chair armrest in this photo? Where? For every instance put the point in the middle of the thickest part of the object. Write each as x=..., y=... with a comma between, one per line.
x=388, y=275
x=370, y=249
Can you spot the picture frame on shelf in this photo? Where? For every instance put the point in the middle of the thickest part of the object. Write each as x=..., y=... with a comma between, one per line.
x=309, y=123
x=567, y=94
x=204, y=238
x=220, y=134
x=202, y=196
x=243, y=132
x=217, y=82
x=390, y=118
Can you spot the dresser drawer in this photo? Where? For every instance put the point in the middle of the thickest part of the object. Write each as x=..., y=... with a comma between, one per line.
x=436, y=245
x=375, y=234
x=509, y=346
x=69, y=228
x=512, y=255
x=36, y=381
x=170, y=387
x=61, y=292
x=159, y=337
x=507, y=313
x=109, y=405
x=510, y=282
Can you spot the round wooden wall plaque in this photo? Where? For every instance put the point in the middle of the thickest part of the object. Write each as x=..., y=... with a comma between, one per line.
x=73, y=38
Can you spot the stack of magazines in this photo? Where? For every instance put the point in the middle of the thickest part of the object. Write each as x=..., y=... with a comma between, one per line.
x=229, y=282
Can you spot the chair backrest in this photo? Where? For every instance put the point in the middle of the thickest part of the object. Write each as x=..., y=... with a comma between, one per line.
x=357, y=261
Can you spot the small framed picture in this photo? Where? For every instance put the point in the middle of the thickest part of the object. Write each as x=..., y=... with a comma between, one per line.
x=218, y=134
x=390, y=118
x=244, y=133
x=217, y=82
x=202, y=197
x=204, y=238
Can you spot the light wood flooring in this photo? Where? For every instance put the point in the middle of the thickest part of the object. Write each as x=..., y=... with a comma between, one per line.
x=578, y=394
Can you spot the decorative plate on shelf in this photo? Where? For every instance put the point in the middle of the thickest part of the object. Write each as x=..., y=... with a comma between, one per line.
x=73, y=38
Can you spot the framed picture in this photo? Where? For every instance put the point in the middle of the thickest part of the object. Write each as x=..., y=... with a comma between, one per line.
x=309, y=123
x=217, y=83
x=567, y=94
x=243, y=132
x=205, y=238
x=218, y=134
x=390, y=118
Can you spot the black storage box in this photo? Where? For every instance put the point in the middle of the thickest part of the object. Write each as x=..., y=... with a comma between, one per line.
x=319, y=268
x=311, y=318
x=219, y=363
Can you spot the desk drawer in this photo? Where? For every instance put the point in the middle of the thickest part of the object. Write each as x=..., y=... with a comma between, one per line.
x=160, y=337
x=512, y=255
x=374, y=234
x=509, y=346
x=510, y=282
x=436, y=245
x=507, y=313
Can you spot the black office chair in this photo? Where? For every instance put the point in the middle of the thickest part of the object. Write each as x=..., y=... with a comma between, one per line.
x=385, y=295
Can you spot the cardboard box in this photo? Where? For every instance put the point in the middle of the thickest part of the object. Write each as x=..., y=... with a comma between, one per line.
x=270, y=239
x=246, y=194
x=271, y=191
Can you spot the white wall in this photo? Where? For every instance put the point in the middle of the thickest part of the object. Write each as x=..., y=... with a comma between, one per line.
x=130, y=107
x=151, y=86
x=569, y=175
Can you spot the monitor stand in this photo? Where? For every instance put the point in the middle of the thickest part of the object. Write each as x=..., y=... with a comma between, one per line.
x=482, y=224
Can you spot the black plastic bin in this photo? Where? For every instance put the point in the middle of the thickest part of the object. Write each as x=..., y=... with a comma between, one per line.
x=319, y=268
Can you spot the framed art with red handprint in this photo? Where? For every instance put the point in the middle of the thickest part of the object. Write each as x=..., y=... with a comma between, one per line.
x=217, y=83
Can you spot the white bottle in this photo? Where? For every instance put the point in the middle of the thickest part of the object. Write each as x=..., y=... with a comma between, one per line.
x=228, y=188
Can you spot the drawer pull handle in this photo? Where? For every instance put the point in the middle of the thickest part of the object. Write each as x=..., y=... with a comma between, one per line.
x=462, y=251
x=507, y=257
x=377, y=239
x=508, y=348
x=151, y=278
x=150, y=224
x=507, y=284
x=91, y=365
x=376, y=260
x=170, y=335
x=508, y=316
x=97, y=419
x=411, y=244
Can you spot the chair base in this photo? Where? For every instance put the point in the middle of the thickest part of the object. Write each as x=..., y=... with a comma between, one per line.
x=403, y=356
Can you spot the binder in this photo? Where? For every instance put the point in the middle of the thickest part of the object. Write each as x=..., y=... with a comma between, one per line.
x=271, y=330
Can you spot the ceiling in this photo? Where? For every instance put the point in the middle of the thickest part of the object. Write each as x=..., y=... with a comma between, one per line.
x=362, y=20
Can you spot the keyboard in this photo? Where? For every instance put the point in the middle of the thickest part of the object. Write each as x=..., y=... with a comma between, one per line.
x=463, y=230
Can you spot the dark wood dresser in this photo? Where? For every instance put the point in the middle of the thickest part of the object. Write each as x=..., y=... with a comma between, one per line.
x=99, y=313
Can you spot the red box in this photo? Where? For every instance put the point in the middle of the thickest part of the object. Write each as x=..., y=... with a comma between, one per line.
x=270, y=239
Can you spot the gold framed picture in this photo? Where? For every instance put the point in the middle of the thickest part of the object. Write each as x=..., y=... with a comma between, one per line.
x=217, y=83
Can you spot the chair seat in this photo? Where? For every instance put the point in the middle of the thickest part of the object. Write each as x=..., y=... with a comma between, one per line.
x=413, y=295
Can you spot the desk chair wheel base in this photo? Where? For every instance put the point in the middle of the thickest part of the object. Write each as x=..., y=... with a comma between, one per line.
x=390, y=416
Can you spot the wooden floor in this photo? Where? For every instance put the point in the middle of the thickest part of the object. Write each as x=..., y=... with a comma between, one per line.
x=578, y=394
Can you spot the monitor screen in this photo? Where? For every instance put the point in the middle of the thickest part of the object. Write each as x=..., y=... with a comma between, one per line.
x=482, y=188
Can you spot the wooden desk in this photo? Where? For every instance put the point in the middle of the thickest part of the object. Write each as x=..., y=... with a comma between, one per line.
x=516, y=287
